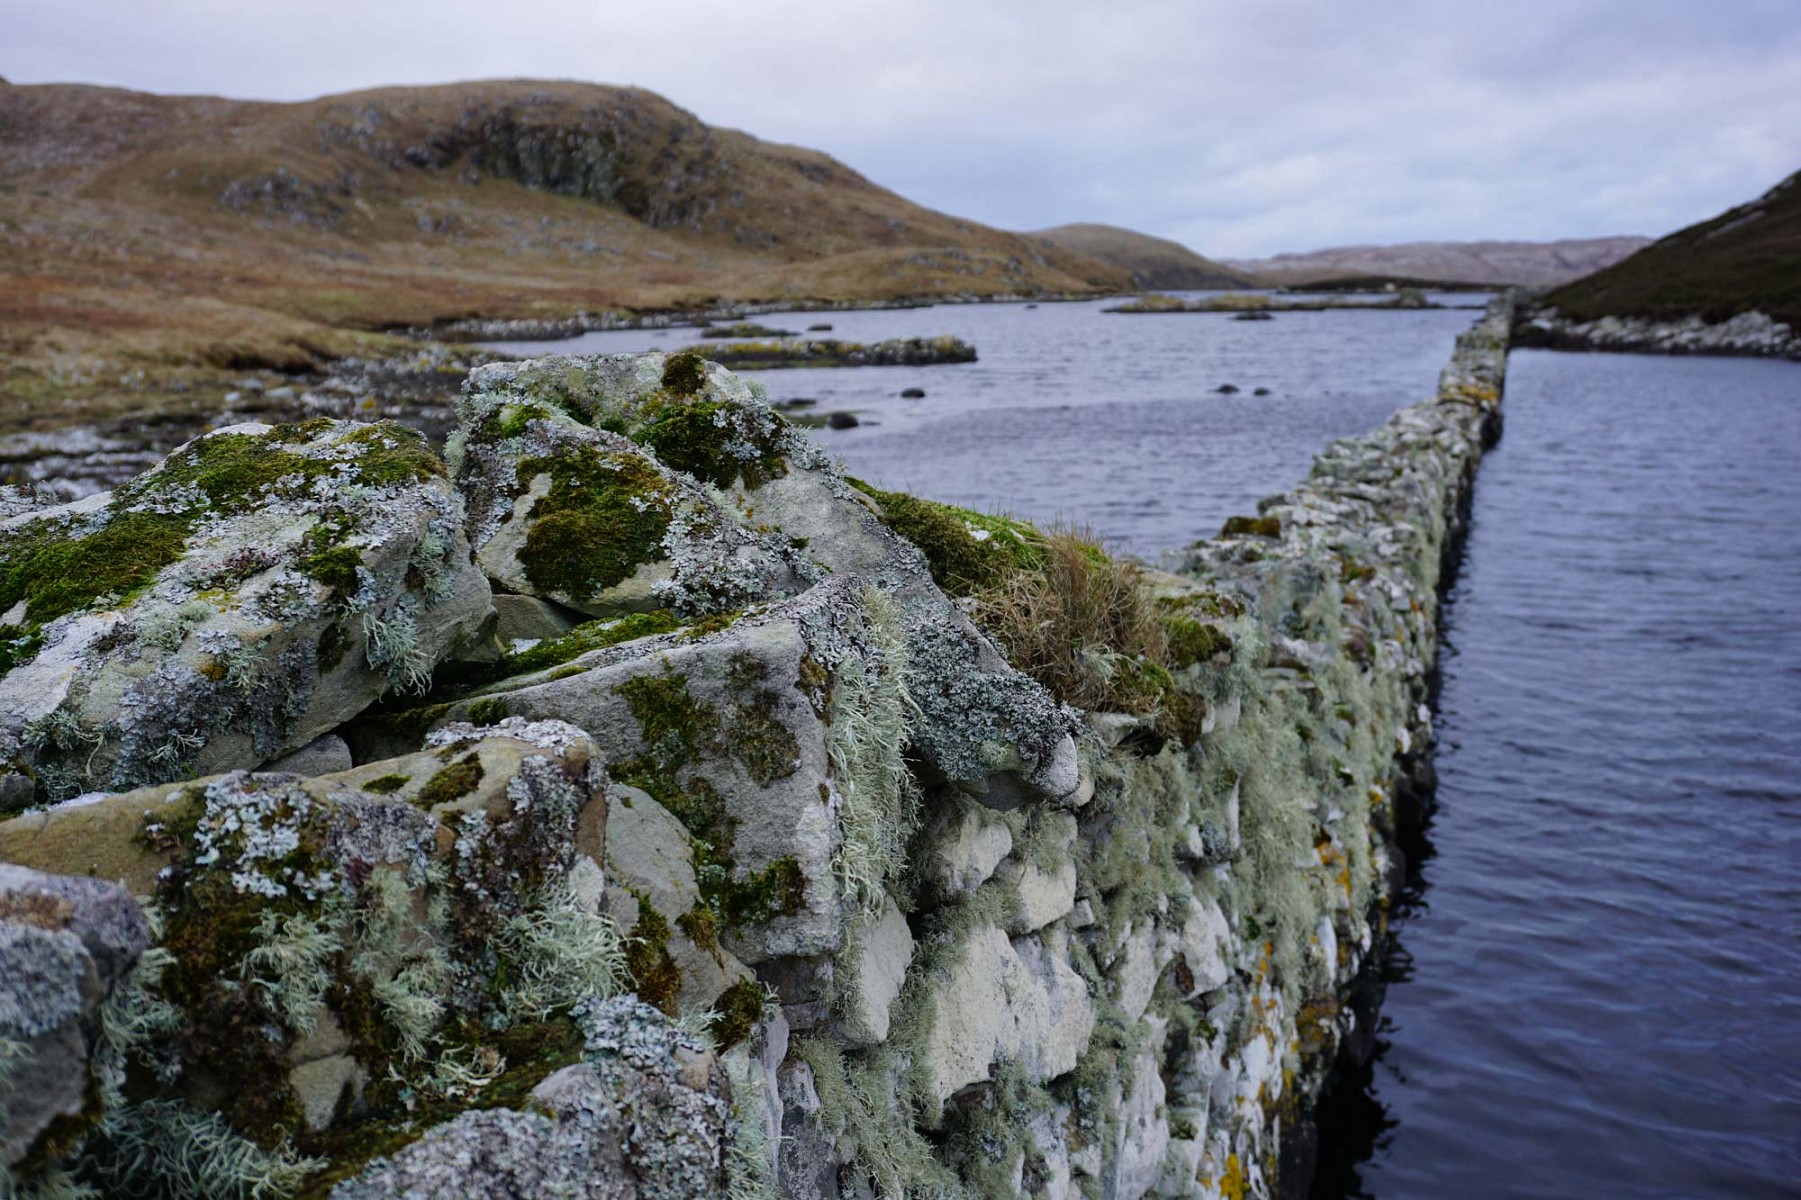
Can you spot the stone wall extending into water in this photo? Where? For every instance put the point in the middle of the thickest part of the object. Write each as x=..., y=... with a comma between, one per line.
x=725, y=827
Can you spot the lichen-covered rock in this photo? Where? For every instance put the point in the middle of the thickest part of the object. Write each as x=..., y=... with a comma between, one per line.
x=728, y=732
x=260, y=586
x=980, y=722
x=65, y=945
x=633, y=1120
x=590, y=519
x=676, y=959
x=337, y=950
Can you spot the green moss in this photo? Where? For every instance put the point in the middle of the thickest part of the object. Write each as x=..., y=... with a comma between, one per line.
x=18, y=645
x=511, y=420
x=594, y=635
x=490, y=711
x=701, y=926
x=56, y=574
x=392, y=455
x=758, y=739
x=451, y=783
x=778, y=890
x=336, y=568
x=701, y=439
x=383, y=785
x=604, y=516
x=685, y=373
x=966, y=550
x=1251, y=526
x=233, y=469
x=1193, y=641
x=737, y=1010
x=655, y=976
x=674, y=729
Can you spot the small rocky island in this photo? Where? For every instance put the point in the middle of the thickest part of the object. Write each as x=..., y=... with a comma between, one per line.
x=627, y=803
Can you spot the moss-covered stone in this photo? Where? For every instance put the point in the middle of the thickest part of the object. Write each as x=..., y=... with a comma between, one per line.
x=1269, y=527
x=604, y=517
x=737, y=1012
x=451, y=783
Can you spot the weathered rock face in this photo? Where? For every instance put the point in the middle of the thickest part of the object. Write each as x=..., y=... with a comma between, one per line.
x=947, y=934
x=260, y=587
x=643, y=1116
x=65, y=944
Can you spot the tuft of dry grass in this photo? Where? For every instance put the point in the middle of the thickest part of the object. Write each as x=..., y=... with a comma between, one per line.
x=1085, y=625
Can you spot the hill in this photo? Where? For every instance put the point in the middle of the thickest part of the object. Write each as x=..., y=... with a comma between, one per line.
x=1746, y=259
x=152, y=236
x=1152, y=262
x=1525, y=264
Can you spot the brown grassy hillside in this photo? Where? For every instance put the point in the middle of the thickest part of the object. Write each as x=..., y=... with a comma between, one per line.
x=166, y=237
x=1152, y=262
x=1746, y=258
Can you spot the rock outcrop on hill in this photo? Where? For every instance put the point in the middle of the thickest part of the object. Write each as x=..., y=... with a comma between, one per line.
x=861, y=846
x=1714, y=287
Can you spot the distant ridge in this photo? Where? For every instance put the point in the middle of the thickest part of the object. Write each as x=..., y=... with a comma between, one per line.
x=1524, y=264
x=1746, y=259
x=1152, y=262
x=196, y=230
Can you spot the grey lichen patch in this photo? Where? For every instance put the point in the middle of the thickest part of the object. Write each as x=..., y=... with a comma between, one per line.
x=211, y=613
x=301, y=909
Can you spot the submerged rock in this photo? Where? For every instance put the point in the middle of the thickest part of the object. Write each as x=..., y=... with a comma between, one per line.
x=262, y=585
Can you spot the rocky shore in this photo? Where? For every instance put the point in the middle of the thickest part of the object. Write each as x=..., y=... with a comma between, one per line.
x=629, y=804
x=1750, y=334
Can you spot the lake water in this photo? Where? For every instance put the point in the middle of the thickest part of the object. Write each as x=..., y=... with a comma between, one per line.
x=1106, y=420
x=1597, y=989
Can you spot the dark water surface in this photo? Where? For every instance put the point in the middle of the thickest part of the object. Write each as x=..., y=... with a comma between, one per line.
x=1105, y=420
x=1598, y=991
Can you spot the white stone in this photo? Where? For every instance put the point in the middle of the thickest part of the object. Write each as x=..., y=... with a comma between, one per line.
x=1143, y=1133
x=883, y=951
x=1206, y=943
x=966, y=848
x=1135, y=972
x=1010, y=999
x=1042, y=896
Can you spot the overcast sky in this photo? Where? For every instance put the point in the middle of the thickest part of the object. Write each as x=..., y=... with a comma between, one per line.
x=1236, y=126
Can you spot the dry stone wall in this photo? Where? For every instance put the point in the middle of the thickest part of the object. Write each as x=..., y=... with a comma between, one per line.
x=754, y=838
